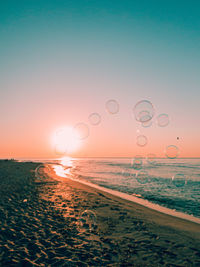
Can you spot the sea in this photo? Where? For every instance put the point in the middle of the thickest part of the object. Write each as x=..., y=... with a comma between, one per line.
x=170, y=183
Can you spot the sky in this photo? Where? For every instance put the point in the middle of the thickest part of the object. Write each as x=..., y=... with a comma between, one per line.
x=62, y=60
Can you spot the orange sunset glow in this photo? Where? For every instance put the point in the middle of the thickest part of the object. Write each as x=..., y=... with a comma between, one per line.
x=52, y=80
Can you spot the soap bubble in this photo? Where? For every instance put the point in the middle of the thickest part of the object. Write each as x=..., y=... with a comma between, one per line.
x=141, y=140
x=147, y=124
x=143, y=111
x=171, y=151
x=179, y=180
x=42, y=171
x=81, y=130
x=137, y=162
x=94, y=118
x=163, y=120
x=142, y=177
x=144, y=116
x=151, y=159
x=112, y=106
x=88, y=221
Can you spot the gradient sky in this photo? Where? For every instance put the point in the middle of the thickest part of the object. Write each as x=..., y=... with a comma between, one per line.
x=62, y=60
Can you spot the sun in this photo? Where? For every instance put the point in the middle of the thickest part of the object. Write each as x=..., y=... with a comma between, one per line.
x=65, y=141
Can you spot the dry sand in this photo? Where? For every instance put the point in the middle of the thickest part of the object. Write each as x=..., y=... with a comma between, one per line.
x=40, y=226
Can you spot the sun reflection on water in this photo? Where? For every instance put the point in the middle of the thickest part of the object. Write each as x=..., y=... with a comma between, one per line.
x=66, y=161
x=64, y=168
x=60, y=171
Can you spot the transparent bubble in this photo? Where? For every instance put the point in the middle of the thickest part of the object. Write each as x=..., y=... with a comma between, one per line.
x=179, y=180
x=151, y=159
x=42, y=172
x=143, y=111
x=142, y=177
x=94, y=118
x=147, y=124
x=137, y=162
x=112, y=106
x=163, y=120
x=144, y=116
x=141, y=140
x=172, y=152
x=87, y=221
x=81, y=131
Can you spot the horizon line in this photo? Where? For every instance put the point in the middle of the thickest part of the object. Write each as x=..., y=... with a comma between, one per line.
x=125, y=157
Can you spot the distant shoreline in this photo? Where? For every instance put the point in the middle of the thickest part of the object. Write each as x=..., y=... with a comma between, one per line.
x=40, y=159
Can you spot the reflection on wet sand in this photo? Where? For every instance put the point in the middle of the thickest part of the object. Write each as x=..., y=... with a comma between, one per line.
x=58, y=193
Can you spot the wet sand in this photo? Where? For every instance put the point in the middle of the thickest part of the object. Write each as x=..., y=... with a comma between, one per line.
x=40, y=226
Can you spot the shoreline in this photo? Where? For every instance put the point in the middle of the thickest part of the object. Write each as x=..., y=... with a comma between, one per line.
x=167, y=209
x=42, y=225
x=162, y=218
x=142, y=202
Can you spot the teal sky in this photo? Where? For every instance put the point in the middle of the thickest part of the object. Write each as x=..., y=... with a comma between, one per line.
x=61, y=60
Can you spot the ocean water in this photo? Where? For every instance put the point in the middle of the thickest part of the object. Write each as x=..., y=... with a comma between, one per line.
x=172, y=183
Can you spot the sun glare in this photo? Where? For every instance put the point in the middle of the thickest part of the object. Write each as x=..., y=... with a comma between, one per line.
x=65, y=141
x=66, y=161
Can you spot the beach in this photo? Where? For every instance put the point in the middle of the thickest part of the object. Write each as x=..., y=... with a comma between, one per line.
x=41, y=225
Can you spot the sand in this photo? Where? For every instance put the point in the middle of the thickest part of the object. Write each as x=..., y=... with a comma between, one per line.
x=40, y=226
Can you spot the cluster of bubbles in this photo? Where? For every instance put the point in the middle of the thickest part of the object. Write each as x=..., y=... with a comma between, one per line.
x=137, y=164
x=144, y=113
x=142, y=176
x=143, y=110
